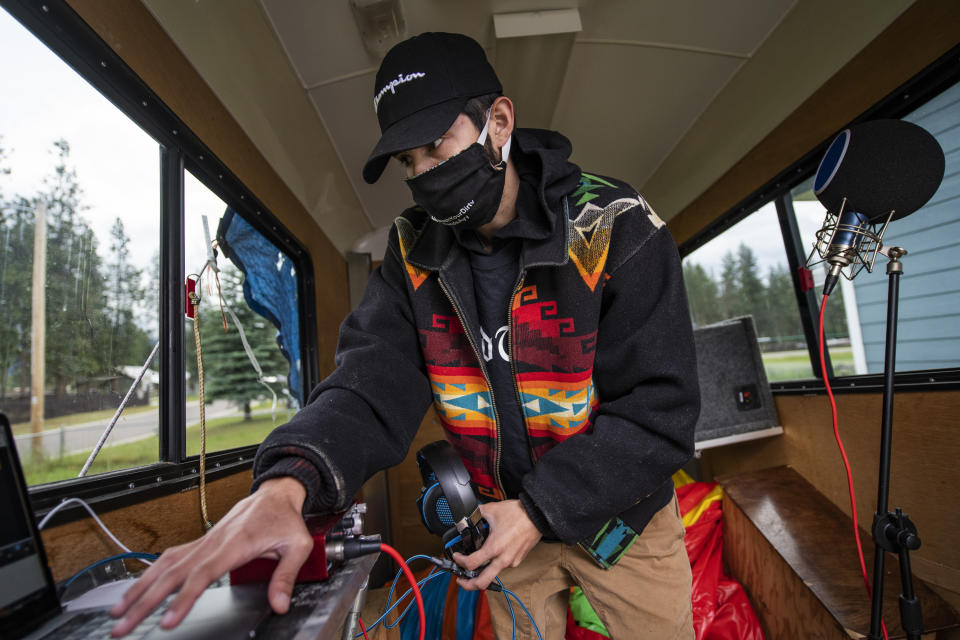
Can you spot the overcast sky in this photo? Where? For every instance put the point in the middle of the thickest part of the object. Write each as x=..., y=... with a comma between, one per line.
x=117, y=164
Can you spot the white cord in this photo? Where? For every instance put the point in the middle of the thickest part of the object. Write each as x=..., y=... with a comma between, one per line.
x=116, y=416
x=83, y=504
x=212, y=263
x=253, y=361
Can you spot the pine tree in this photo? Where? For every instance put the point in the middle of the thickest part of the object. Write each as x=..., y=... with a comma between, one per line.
x=752, y=292
x=75, y=294
x=703, y=295
x=784, y=316
x=228, y=373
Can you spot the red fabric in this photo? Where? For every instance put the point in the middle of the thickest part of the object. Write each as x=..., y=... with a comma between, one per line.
x=734, y=617
x=690, y=495
x=579, y=633
x=482, y=624
x=721, y=609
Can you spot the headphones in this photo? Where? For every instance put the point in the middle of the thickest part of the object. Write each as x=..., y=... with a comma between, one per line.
x=447, y=504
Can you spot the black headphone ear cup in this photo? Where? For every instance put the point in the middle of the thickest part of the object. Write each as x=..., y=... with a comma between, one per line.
x=434, y=510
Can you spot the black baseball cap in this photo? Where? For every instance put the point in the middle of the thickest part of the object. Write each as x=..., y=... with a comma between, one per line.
x=421, y=88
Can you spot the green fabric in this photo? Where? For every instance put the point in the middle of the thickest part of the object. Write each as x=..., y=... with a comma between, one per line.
x=583, y=613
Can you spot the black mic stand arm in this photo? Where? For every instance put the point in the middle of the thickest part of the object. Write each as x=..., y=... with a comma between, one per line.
x=893, y=532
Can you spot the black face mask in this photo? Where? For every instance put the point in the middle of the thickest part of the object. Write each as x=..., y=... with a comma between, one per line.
x=464, y=191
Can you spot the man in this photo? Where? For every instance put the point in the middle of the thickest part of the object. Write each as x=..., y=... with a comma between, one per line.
x=542, y=311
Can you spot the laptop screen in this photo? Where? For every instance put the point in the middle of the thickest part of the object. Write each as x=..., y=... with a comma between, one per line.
x=26, y=587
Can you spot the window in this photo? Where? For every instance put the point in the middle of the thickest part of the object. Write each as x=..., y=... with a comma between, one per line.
x=743, y=271
x=928, y=331
x=746, y=268
x=89, y=271
x=241, y=406
x=123, y=185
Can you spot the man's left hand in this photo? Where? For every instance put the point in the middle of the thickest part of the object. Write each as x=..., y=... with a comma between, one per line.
x=512, y=535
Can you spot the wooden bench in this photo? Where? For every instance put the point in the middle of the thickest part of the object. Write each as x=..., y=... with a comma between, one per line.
x=793, y=550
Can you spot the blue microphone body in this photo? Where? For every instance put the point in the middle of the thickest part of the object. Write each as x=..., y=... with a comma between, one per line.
x=842, y=251
x=873, y=172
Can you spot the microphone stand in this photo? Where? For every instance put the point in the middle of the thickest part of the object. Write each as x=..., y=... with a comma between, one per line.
x=892, y=532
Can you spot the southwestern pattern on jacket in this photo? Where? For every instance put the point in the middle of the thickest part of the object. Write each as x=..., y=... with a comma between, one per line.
x=600, y=344
x=554, y=314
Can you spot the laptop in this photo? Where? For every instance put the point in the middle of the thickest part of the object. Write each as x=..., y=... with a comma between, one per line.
x=30, y=608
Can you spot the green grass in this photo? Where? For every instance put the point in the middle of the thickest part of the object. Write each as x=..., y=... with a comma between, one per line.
x=795, y=365
x=222, y=433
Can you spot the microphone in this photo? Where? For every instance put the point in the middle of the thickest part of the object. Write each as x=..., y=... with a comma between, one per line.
x=872, y=173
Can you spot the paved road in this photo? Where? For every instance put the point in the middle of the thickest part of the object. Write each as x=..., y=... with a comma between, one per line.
x=129, y=428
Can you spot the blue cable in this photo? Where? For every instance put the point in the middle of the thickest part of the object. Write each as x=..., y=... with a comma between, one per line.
x=120, y=556
x=396, y=604
x=433, y=574
x=513, y=617
x=393, y=586
x=535, y=627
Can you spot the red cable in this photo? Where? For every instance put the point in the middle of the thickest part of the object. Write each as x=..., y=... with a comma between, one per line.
x=413, y=584
x=846, y=463
x=363, y=628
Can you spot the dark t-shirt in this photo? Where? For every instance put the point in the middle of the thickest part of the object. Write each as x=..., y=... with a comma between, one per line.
x=494, y=276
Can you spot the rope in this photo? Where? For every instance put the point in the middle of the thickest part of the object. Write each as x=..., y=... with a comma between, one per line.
x=116, y=416
x=195, y=302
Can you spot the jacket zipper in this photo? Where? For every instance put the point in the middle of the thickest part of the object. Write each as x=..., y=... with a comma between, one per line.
x=486, y=378
x=513, y=371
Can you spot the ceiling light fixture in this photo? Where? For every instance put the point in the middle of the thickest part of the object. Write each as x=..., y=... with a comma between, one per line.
x=536, y=23
x=381, y=24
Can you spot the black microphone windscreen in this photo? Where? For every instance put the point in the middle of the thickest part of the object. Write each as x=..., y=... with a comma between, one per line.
x=879, y=166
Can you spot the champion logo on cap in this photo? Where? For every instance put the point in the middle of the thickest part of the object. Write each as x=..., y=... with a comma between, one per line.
x=393, y=84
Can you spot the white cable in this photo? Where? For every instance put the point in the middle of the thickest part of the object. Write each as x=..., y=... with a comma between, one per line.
x=212, y=263
x=253, y=360
x=116, y=416
x=83, y=504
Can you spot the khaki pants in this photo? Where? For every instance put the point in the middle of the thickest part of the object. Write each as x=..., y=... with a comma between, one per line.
x=645, y=595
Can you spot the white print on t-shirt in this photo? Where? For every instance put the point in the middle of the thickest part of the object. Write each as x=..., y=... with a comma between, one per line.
x=487, y=344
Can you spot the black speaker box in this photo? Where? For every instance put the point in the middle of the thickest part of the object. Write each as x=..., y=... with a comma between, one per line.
x=735, y=396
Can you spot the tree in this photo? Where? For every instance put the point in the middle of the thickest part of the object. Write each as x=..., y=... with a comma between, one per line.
x=228, y=373
x=16, y=258
x=784, y=317
x=752, y=292
x=731, y=304
x=75, y=296
x=703, y=295
x=129, y=344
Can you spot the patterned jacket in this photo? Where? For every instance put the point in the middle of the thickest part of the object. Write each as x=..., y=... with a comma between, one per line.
x=600, y=345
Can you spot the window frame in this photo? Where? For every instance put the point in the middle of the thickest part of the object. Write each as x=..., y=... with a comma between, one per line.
x=59, y=28
x=934, y=79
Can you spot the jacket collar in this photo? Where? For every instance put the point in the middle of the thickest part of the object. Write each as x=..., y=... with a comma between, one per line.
x=436, y=245
x=546, y=152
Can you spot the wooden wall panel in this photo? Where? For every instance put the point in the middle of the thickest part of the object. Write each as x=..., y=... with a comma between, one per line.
x=150, y=526
x=923, y=33
x=925, y=476
x=409, y=535
x=130, y=30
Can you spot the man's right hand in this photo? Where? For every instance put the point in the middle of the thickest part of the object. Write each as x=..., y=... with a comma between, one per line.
x=266, y=524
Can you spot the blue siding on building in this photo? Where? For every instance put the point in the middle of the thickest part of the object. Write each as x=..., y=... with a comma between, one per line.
x=929, y=315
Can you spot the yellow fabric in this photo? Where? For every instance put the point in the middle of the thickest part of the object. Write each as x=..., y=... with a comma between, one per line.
x=694, y=514
x=681, y=478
